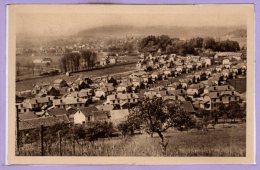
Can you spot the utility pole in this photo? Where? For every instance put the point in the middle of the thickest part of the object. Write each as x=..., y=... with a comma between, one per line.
x=17, y=134
x=59, y=138
x=41, y=140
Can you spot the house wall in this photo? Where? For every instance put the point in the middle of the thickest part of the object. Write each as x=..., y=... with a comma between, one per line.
x=79, y=118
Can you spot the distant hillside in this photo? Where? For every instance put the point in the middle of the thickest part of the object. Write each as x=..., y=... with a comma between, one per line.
x=121, y=31
x=182, y=32
x=240, y=33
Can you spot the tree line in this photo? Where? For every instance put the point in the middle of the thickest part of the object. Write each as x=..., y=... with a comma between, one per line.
x=193, y=46
x=75, y=61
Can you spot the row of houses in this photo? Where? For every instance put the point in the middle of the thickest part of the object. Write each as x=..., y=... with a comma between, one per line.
x=102, y=100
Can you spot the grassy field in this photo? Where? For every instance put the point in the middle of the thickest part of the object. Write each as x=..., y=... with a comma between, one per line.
x=28, y=84
x=228, y=142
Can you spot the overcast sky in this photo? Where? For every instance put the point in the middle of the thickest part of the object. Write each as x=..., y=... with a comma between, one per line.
x=65, y=20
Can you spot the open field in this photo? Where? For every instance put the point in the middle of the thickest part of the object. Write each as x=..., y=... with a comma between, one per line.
x=28, y=84
x=229, y=141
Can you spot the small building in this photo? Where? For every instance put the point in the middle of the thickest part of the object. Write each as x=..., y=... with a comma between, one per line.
x=59, y=83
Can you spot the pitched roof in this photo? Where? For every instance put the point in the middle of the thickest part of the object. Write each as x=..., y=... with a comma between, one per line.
x=106, y=107
x=45, y=121
x=188, y=107
x=27, y=116
x=57, y=111
x=221, y=88
x=40, y=100
x=123, y=96
x=58, y=81
x=101, y=115
x=223, y=54
x=69, y=100
x=196, y=86
x=89, y=110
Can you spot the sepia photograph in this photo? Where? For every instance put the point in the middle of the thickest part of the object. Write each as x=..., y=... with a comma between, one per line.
x=130, y=84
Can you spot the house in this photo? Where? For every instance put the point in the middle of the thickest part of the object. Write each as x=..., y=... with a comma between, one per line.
x=103, y=61
x=218, y=94
x=154, y=76
x=195, y=90
x=139, y=66
x=99, y=94
x=151, y=94
x=25, y=93
x=198, y=65
x=105, y=107
x=90, y=114
x=218, y=68
x=234, y=69
x=80, y=84
x=112, y=60
x=121, y=89
x=189, y=66
x=70, y=102
x=179, y=69
x=228, y=55
x=178, y=92
x=122, y=99
x=226, y=63
x=225, y=73
x=173, y=86
x=184, y=83
x=59, y=83
x=36, y=89
x=34, y=104
x=104, y=91
x=136, y=82
x=54, y=111
x=206, y=61
x=85, y=93
x=208, y=73
x=52, y=91
x=167, y=72
x=145, y=78
x=42, y=61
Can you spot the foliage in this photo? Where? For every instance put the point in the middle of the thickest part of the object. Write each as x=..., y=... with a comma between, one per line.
x=234, y=111
x=97, y=130
x=167, y=45
x=157, y=117
x=129, y=126
x=72, y=61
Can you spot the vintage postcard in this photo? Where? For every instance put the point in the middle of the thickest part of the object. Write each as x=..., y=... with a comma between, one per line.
x=131, y=84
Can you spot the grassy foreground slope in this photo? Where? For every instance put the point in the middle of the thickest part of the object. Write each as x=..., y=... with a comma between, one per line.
x=219, y=142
